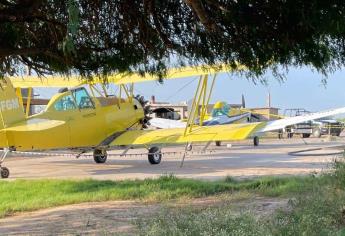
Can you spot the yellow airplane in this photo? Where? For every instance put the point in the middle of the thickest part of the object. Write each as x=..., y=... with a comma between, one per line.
x=73, y=119
x=77, y=120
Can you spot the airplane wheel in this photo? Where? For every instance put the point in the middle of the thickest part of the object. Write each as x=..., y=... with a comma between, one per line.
x=100, y=156
x=218, y=143
x=5, y=172
x=256, y=141
x=155, y=155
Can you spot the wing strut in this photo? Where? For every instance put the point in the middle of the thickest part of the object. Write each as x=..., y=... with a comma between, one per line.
x=128, y=92
x=200, y=101
x=28, y=102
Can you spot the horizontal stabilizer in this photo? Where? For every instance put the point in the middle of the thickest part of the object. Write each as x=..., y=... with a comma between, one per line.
x=35, y=125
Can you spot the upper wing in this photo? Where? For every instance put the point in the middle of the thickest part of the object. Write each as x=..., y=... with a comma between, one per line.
x=175, y=73
x=282, y=123
x=199, y=134
x=120, y=78
x=45, y=82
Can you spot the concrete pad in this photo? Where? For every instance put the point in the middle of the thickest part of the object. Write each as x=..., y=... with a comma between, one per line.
x=242, y=160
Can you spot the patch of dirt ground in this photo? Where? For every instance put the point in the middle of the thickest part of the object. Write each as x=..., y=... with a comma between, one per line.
x=115, y=217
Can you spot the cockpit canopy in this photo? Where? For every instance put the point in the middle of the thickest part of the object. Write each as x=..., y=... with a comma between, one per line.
x=220, y=109
x=74, y=99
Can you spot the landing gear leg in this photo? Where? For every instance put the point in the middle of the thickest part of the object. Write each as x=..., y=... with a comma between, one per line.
x=184, y=155
x=5, y=172
x=100, y=156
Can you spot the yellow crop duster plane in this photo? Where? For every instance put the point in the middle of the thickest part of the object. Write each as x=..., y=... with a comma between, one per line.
x=79, y=120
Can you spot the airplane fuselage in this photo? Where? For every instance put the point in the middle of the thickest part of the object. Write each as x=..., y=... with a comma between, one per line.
x=74, y=121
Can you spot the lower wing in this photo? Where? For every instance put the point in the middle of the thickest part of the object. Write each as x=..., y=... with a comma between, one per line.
x=230, y=132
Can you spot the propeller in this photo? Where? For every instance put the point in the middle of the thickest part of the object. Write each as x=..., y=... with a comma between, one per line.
x=146, y=108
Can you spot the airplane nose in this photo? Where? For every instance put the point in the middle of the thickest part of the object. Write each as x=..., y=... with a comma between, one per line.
x=145, y=108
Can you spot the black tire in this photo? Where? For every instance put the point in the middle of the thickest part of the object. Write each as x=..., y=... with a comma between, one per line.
x=305, y=135
x=289, y=135
x=189, y=147
x=100, y=156
x=256, y=141
x=218, y=143
x=155, y=155
x=5, y=172
x=317, y=132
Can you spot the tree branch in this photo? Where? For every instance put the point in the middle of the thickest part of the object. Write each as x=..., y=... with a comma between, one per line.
x=25, y=10
x=5, y=52
x=204, y=18
x=149, y=5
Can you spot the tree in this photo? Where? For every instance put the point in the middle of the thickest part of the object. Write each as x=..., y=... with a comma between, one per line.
x=93, y=36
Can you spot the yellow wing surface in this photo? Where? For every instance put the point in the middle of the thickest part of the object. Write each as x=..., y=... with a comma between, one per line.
x=120, y=78
x=36, y=134
x=231, y=132
x=45, y=82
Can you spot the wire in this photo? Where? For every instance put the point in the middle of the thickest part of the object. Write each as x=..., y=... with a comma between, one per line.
x=180, y=89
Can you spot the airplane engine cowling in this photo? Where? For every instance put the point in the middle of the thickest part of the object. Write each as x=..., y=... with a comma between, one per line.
x=146, y=109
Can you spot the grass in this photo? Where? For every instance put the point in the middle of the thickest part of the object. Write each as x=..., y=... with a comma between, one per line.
x=317, y=205
x=27, y=195
x=317, y=210
x=215, y=221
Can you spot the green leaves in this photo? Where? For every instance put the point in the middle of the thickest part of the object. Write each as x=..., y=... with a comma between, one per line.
x=91, y=36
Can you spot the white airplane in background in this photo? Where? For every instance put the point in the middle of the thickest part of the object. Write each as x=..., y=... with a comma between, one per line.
x=220, y=116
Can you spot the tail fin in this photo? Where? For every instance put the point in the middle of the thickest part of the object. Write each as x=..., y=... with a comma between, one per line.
x=11, y=110
x=243, y=102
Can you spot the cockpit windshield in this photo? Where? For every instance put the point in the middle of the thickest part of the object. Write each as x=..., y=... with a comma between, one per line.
x=82, y=98
x=65, y=103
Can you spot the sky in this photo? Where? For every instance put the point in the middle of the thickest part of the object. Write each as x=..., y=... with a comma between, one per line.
x=302, y=88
